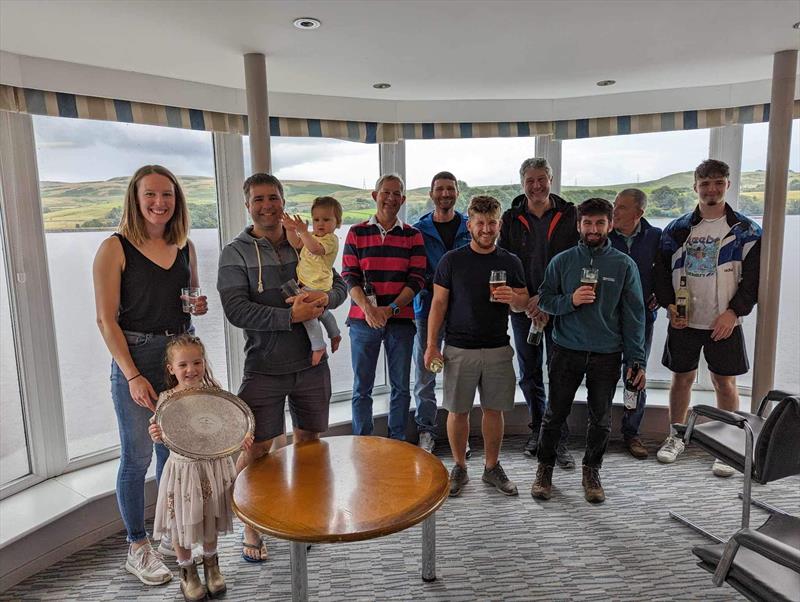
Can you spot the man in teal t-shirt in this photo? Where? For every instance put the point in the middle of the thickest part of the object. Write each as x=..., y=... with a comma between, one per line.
x=594, y=327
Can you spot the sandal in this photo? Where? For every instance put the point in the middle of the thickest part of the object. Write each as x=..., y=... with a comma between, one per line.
x=261, y=546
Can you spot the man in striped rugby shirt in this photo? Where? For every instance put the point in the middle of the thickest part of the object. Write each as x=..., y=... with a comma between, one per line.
x=384, y=267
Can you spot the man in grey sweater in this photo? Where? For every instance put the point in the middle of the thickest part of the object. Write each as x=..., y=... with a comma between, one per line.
x=252, y=269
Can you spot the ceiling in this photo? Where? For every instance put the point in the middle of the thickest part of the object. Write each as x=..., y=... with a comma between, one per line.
x=427, y=50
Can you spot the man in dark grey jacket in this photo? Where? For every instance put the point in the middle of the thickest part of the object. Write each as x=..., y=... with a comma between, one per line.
x=252, y=269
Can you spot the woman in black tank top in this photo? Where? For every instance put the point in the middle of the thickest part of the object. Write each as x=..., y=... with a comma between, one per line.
x=138, y=276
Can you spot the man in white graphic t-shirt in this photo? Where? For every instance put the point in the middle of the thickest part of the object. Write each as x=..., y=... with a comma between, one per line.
x=717, y=250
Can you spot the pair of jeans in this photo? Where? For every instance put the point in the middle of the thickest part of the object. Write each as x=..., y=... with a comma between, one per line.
x=632, y=419
x=425, y=385
x=567, y=369
x=133, y=420
x=397, y=338
x=531, y=376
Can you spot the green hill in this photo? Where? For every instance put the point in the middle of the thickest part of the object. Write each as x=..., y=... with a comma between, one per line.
x=81, y=205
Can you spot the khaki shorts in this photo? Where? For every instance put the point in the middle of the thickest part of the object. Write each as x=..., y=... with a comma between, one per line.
x=489, y=371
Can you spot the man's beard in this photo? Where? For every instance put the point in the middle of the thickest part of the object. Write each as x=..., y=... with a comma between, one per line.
x=483, y=245
x=598, y=242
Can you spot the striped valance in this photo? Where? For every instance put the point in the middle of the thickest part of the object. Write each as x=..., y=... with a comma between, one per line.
x=58, y=104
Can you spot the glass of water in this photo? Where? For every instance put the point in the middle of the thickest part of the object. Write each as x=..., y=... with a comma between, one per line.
x=189, y=297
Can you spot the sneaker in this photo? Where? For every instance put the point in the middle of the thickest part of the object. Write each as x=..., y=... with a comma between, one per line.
x=165, y=548
x=426, y=441
x=531, y=445
x=670, y=450
x=469, y=451
x=636, y=448
x=564, y=458
x=147, y=566
x=543, y=485
x=721, y=469
x=592, y=488
x=458, y=478
x=497, y=478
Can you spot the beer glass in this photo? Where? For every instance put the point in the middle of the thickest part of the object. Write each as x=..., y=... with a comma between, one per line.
x=290, y=288
x=497, y=278
x=590, y=277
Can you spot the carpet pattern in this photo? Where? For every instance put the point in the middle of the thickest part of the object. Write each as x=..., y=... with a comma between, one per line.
x=489, y=547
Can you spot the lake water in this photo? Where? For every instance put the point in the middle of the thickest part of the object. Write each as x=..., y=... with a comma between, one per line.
x=84, y=361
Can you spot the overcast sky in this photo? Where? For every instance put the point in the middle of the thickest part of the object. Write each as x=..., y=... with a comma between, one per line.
x=81, y=150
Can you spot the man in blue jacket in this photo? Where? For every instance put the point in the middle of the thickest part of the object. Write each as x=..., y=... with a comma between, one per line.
x=634, y=236
x=443, y=230
x=594, y=328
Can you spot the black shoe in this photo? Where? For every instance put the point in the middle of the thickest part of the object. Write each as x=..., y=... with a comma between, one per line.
x=469, y=451
x=564, y=458
x=458, y=478
x=498, y=479
x=531, y=445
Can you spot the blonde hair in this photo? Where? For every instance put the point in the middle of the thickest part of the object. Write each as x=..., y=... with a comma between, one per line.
x=132, y=224
x=187, y=340
x=484, y=205
x=328, y=202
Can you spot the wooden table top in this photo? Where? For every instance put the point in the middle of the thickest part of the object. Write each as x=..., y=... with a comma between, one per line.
x=340, y=489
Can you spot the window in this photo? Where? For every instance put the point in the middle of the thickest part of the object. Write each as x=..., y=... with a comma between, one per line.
x=84, y=168
x=751, y=202
x=661, y=164
x=13, y=442
x=347, y=171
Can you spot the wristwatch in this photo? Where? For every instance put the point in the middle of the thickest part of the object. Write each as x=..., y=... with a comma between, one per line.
x=395, y=308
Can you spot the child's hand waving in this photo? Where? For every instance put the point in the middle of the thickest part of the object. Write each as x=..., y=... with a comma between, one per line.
x=294, y=223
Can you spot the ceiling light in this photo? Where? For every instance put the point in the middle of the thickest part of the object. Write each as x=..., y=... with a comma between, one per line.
x=796, y=25
x=381, y=86
x=307, y=23
x=606, y=82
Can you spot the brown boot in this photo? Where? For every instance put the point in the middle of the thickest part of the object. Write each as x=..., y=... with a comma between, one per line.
x=543, y=485
x=215, y=582
x=192, y=588
x=592, y=488
x=636, y=448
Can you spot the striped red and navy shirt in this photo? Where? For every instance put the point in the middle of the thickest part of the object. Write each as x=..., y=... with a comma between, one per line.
x=389, y=261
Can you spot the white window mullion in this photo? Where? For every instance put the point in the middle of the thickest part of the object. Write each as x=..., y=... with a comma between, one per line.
x=32, y=312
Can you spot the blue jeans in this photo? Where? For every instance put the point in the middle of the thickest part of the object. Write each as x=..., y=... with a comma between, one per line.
x=136, y=447
x=425, y=379
x=632, y=419
x=567, y=369
x=365, y=345
x=531, y=376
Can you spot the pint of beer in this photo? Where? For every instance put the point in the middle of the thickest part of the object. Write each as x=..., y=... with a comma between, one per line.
x=590, y=277
x=497, y=278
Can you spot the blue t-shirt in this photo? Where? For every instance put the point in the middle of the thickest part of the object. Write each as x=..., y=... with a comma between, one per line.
x=473, y=321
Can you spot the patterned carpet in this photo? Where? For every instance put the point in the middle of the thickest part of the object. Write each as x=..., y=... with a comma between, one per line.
x=489, y=547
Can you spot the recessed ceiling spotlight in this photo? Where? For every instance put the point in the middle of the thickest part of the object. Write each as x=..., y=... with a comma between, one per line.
x=606, y=82
x=307, y=23
x=381, y=86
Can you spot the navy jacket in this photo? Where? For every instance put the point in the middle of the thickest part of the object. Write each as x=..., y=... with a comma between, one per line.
x=644, y=251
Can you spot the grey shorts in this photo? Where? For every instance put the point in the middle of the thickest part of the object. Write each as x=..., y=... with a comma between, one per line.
x=309, y=394
x=489, y=371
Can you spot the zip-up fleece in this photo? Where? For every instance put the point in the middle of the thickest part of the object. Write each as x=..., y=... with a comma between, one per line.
x=251, y=271
x=515, y=229
x=738, y=262
x=643, y=251
x=434, y=249
x=615, y=321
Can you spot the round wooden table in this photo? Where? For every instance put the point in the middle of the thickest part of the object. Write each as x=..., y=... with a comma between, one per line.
x=342, y=489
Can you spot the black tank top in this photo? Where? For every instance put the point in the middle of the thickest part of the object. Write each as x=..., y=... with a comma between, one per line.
x=149, y=299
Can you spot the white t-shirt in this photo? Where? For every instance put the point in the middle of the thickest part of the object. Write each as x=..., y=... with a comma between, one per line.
x=700, y=266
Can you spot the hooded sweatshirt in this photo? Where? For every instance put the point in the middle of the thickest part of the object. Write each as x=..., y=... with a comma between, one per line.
x=251, y=271
x=615, y=321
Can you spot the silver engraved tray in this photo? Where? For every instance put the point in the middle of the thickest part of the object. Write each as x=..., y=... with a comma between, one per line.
x=204, y=423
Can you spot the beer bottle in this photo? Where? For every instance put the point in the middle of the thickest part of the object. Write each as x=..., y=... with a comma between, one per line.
x=535, y=334
x=630, y=396
x=682, y=299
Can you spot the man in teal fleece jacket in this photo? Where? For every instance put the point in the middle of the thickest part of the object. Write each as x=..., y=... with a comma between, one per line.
x=593, y=330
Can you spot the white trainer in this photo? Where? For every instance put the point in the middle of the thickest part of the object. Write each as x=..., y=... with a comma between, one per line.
x=721, y=469
x=670, y=450
x=165, y=548
x=147, y=565
x=426, y=441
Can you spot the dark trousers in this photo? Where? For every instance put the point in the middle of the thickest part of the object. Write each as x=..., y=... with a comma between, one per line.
x=567, y=369
x=531, y=376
